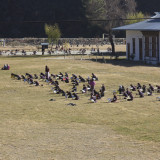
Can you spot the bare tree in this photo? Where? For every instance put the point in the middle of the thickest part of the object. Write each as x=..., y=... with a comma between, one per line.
x=109, y=10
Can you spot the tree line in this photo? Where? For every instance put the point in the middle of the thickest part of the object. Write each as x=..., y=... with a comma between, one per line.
x=27, y=18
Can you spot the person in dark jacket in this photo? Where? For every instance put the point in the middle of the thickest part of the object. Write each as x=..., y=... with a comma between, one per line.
x=75, y=96
x=141, y=95
x=114, y=99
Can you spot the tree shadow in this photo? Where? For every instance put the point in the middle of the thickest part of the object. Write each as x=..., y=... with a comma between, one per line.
x=122, y=62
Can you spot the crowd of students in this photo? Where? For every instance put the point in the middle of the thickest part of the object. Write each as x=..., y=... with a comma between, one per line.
x=139, y=90
x=88, y=86
x=74, y=80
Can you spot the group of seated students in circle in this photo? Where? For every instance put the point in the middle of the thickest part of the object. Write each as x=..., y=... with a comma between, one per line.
x=26, y=78
x=5, y=67
x=75, y=80
x=95, y=95
x=141, y=89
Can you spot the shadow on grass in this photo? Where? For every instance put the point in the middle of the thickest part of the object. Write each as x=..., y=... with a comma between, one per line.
x=121, y=62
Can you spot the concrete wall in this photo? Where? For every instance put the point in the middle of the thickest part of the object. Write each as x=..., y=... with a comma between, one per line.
x=136, y=35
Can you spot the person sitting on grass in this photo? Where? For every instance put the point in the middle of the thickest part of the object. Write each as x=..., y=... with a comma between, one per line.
x=93, y=98
x=67, y=79
x=30, y=80
x=139, y=86
x=81, y=79
x=94, y=77
x=74, y=88
x=158, y=88
x=36, y=83
x=114, y=99
x=88, y=87
x=133, y=88
x=140, y=93
x=56, y=89
x=149, y=92
x=35, y=76
x=98, y=95
x=42, y=76
x=60, y=75
x=130, y=97
x=5, y=67
x=69, y=94
x=75, y=82
x=125, y=95
x=121, y=89
x=29, y=75
x=73, y=77
x=66, y=74
x=75, y=96
x=84, y=89
x=53, y=75
x=127, y=91
x=15, y=76
x=151, y=87
x=8, y=67
x=23, y=77
x=143, y=88
x=88, y=79
x=63, y=93
x=56, y=82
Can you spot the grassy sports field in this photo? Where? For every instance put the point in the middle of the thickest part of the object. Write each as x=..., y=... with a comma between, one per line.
x=32, y=127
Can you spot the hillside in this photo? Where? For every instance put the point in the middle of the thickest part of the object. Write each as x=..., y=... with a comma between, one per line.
x=13, y=13
x=148, y=6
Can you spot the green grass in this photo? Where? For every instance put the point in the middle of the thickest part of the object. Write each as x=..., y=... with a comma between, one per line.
x=21, y=102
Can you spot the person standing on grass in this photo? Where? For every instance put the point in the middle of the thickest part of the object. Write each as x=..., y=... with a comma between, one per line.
x=102, y=90
x=92, y=84
x=47, y=72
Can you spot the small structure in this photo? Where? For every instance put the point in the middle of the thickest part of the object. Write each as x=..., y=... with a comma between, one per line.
x=44, y=46
x=143, y=40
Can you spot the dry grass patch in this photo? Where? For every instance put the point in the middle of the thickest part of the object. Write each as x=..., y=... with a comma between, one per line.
x=28, y=119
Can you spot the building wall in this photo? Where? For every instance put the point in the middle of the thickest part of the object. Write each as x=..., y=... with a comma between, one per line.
x=136, y=35
x=159, y=47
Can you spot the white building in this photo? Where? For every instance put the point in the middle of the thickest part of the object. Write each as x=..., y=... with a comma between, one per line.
x=143, y=40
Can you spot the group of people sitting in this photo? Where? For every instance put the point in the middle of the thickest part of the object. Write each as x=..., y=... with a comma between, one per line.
x=141, y=90
x=88, y=86
x=75, y=80
x=95, y=95
x=54, y=79
x=5, y=67
x=26, y=78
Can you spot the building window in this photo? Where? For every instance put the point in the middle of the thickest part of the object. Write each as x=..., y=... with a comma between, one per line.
x=134, y=45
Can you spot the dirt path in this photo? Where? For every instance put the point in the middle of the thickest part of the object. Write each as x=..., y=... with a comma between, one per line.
x=32, y=141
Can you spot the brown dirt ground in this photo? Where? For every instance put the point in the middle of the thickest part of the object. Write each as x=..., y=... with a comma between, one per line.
x=70, y=142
